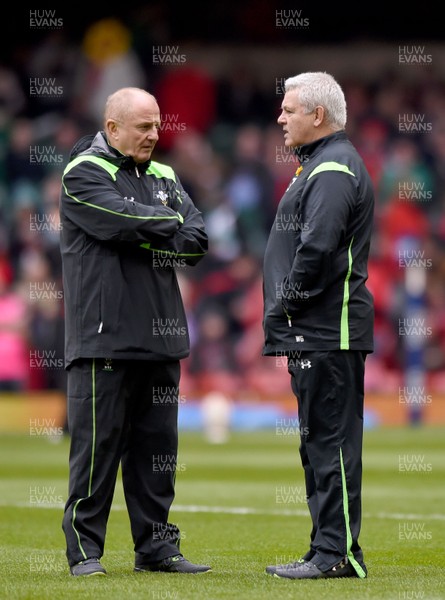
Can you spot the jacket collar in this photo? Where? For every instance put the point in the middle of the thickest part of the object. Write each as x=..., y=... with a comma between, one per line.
x=307, y=151
x=99, y=146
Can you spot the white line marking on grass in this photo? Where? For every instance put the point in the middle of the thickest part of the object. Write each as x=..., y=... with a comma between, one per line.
x=241, y=510
x=244, y=510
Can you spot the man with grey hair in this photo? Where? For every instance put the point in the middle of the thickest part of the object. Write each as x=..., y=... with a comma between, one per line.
x=319, y=313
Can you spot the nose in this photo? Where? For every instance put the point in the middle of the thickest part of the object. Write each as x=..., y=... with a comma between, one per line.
x=281, y=120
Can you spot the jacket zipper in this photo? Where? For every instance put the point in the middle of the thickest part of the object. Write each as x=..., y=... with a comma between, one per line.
x=289, y=319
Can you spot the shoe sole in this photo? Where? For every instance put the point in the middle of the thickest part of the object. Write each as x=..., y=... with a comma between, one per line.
x=353, y=575
x=170, y=572
x=88, y=574
x=320, y=577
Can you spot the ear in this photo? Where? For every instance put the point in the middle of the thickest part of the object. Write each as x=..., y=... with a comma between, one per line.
x=112, y=129
x=318, y=116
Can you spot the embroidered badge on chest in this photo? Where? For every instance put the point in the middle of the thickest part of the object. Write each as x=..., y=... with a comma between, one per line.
x=163, y=197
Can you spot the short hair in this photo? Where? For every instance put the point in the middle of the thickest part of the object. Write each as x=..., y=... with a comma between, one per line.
x=320, y=89
x=118, y=105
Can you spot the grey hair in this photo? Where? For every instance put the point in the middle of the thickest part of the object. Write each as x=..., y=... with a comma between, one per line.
x=320, y=89
x=119, y=104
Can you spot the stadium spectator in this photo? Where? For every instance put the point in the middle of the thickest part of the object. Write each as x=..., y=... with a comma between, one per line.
x=107, y=62
x=249, y=187
x=14, y=332
x=213, y=363
x=197, y=109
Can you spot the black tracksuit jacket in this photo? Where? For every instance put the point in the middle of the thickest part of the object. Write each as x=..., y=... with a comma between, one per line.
x=315, y=263
x=125, y=230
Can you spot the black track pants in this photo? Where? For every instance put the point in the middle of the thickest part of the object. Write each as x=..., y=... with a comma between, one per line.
x=122, y=412
x=329, y=387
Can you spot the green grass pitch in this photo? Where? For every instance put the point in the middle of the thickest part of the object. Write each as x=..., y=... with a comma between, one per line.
x=240, y=506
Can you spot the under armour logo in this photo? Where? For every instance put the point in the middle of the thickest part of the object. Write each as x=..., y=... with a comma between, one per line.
x=341, y=565
x=305, y=364
x=108, y=364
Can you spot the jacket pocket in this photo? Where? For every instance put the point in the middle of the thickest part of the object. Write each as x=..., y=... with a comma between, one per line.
x=109, y=294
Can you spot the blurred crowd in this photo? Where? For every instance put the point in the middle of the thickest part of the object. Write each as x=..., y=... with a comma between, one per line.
x=220, y=135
